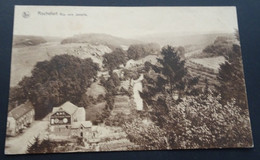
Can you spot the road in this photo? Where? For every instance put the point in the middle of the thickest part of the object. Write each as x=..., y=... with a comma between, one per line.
x=136, y=89
x=19, y=144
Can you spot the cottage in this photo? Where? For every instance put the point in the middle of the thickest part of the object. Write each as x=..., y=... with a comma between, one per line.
x=19, y=118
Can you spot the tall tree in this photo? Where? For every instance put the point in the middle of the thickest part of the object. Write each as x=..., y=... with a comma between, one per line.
x=231, y=78
x=172, y=69
x=165, y=85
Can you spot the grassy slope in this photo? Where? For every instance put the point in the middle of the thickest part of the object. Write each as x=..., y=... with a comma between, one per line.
x=98, y=38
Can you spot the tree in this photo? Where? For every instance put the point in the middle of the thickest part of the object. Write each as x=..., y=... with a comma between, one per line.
x=44, y=146
x=63, y=78
x=137, y=51
x=146, y=136
x=221, y=47
x=166, y=88
x=196, y=122
x=35, y=147
x=171, y=72
x=231, y=78
x=16, y=97
x=181, y=51
x=114, y=59
x=112, y=83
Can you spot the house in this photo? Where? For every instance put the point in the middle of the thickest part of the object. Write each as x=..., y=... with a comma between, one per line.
x=68, y=120
x=19, y=118
x=81, y=129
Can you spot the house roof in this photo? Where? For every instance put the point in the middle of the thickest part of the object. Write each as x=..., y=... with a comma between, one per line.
x=21, y=110
x=86, y=124
x=67, y=107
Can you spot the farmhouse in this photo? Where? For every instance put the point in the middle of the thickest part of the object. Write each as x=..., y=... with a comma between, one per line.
x=19, y=118
x=69, y=120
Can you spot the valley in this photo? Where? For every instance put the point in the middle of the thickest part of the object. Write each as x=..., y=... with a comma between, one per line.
x=113, y=99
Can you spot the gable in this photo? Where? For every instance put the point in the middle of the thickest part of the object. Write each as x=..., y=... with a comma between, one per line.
x=60, y=113
x=67, y=107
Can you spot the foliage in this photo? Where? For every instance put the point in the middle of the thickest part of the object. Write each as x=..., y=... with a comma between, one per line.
x=220, y=47
x=102, y=117
x=44, y=146
x=116, y=120
x=16, y=97
x=231, y=78
x=147, y=136
x=131, y=74
x=181, y=52
x=63, y=78
x=137, y=51
x=196, y=122
x=172, y=68
x=171, y=76
x=112, y=83
x=112, y=86
x=114, y=59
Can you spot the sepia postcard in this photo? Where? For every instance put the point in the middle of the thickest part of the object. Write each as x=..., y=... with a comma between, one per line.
x=94, y=79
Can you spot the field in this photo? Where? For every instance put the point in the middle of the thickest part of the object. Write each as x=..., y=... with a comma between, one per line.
x=212, y=63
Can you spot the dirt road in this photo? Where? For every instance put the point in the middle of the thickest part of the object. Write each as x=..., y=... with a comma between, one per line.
x=19, y=144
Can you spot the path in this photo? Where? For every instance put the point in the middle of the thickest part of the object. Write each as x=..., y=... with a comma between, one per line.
x=136, y=89
x=19, y=144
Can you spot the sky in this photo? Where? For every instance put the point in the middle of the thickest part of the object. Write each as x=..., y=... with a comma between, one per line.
x=125, y=22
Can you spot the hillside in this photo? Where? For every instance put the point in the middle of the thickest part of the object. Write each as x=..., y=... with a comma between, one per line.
x=98, y=38
x=200, y=40
x=32, y=54
x=205, y=68
x=21, y=40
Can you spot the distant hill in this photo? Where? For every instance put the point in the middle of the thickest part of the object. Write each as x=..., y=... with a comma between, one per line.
x=183, y=40
x=99, y=38
x=21, y=40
